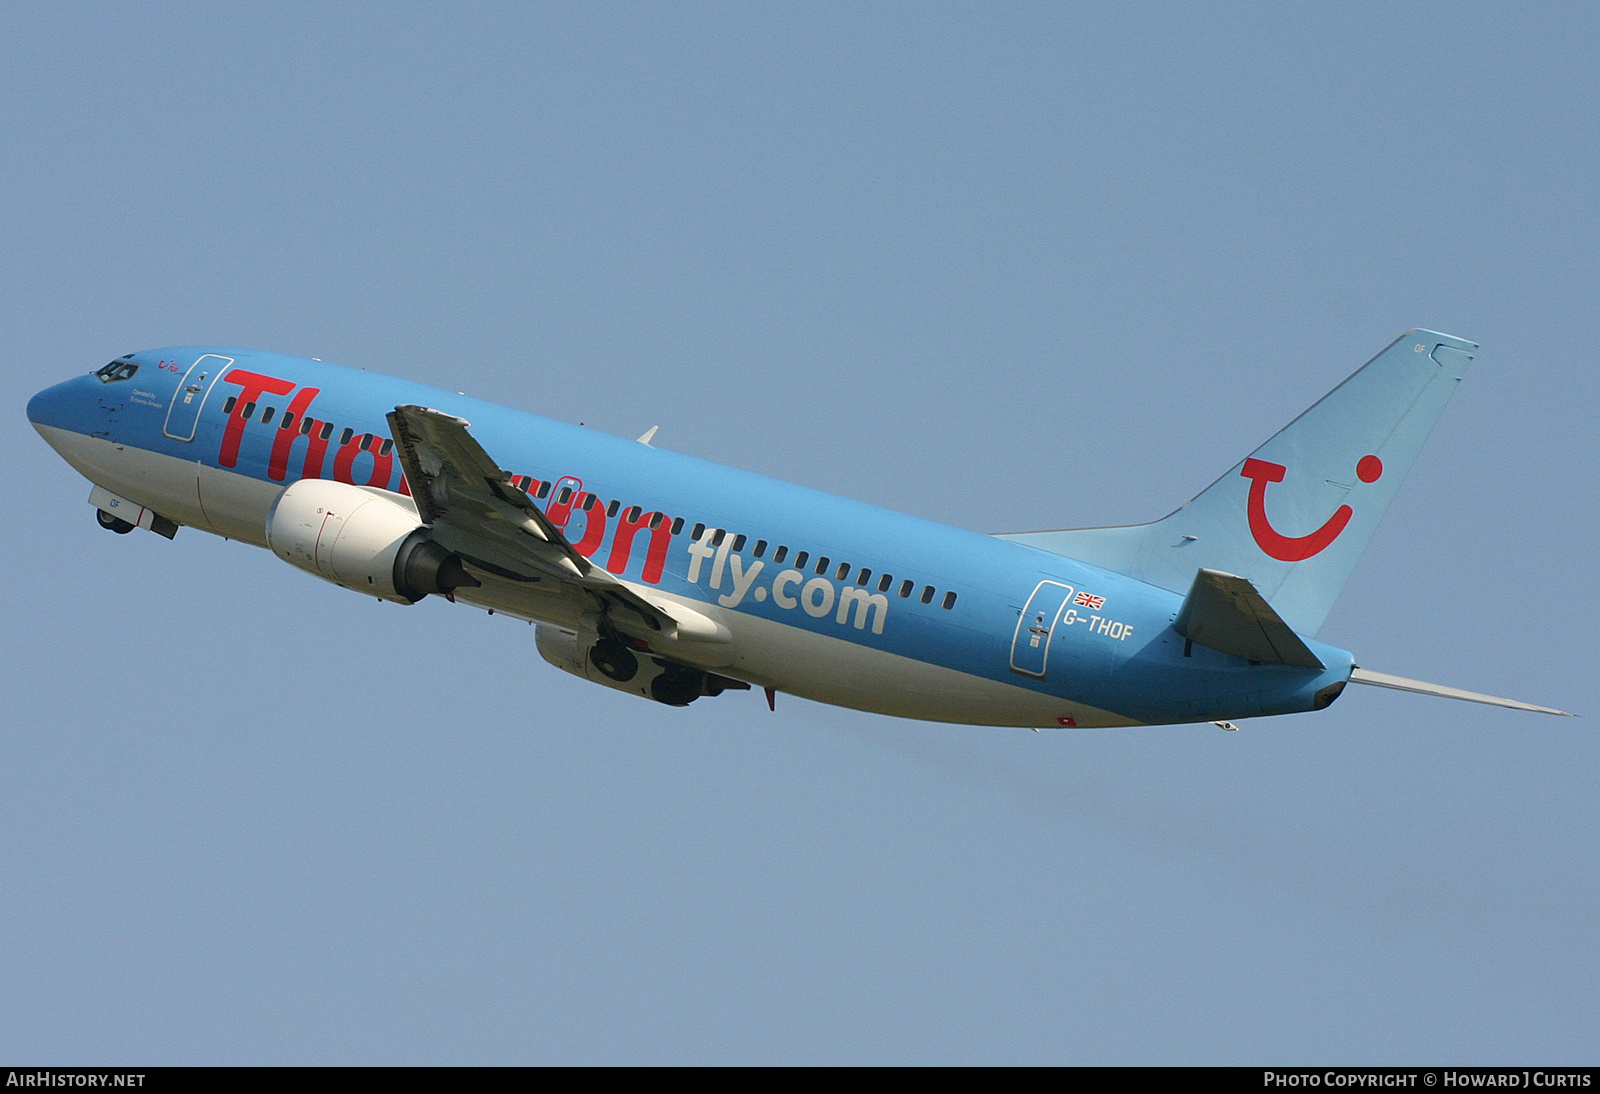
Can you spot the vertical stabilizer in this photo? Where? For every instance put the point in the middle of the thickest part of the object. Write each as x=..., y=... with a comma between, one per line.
x=1294, y=516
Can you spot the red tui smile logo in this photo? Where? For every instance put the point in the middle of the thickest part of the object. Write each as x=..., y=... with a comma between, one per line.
x=1296, y=548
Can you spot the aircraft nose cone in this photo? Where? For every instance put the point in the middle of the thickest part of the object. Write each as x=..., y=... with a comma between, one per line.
x=58, y=405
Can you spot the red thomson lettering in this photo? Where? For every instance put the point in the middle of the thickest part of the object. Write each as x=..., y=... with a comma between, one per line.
x=316, y=450
x=655, y=559
x=344, y=463
x=594, y=524
x=278, y=466
x=253, y=385
x=528, y=485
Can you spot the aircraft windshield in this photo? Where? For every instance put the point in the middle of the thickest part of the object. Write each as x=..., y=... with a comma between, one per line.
x=117, y=370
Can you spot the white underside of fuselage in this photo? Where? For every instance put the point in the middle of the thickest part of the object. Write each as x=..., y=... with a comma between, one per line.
x=762, y=652
x=185, y=491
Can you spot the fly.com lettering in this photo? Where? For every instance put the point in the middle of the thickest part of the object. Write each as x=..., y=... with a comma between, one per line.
x=817, y=596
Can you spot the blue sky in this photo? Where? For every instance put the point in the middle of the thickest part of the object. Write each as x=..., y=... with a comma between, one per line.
x=1006, y=266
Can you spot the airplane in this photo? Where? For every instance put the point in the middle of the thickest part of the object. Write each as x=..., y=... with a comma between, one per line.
x=673, y=578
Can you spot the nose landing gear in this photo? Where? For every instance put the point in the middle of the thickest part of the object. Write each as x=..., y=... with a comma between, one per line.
x=111, y=523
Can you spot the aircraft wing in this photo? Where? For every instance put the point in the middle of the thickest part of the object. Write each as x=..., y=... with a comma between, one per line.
x=474, y=511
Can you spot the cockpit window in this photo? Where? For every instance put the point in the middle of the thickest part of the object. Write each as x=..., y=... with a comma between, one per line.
x=117, y=370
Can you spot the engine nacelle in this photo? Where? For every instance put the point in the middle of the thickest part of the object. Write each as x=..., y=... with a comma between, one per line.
x=361, y=540
x=618, y=662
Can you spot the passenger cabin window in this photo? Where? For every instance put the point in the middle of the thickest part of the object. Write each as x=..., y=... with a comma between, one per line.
x=383, y=449
x=738, y=542
x=677, y=525
x=227, y=407
x=306, y=425
x=249, y=411
x=589, y=503
x=949, y=601
x=822, y=564
x=544, y=491
x=327, y=430
x=699, y=530
x=717, y=538
x=344, y=438
x=800, y=560
x=844, y=572
x=779, y=555
x=287, y=422
x=611, y=510
x=927, y=594
x=266, y=415
x=366, y=442
x=884, y=581
x=863, y=577
x=115, y=371
x=760, y=548
x=656, y=519
x=906, y=586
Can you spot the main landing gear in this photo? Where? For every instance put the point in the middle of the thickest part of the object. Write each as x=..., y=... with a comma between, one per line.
x=622, y=660
x=614, y=659
x=111, y=523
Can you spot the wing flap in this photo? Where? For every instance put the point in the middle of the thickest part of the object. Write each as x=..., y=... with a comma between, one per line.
x=473, y=510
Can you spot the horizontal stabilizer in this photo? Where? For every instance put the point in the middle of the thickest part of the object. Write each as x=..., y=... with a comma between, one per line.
x=1400, y=683
x=1226, y=613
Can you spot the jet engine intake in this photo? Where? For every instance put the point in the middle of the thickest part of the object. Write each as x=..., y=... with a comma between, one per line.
x=361, y=540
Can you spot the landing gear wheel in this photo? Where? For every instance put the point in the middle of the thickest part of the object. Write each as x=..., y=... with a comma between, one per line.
x=614, y=660
x=111, y=523
x=677, y=686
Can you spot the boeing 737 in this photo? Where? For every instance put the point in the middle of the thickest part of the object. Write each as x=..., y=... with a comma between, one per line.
x=672, y=578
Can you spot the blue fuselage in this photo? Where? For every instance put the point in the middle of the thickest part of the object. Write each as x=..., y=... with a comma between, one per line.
x=795, y=557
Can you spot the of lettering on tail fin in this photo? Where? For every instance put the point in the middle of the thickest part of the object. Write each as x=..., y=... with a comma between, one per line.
x=1293, y=517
